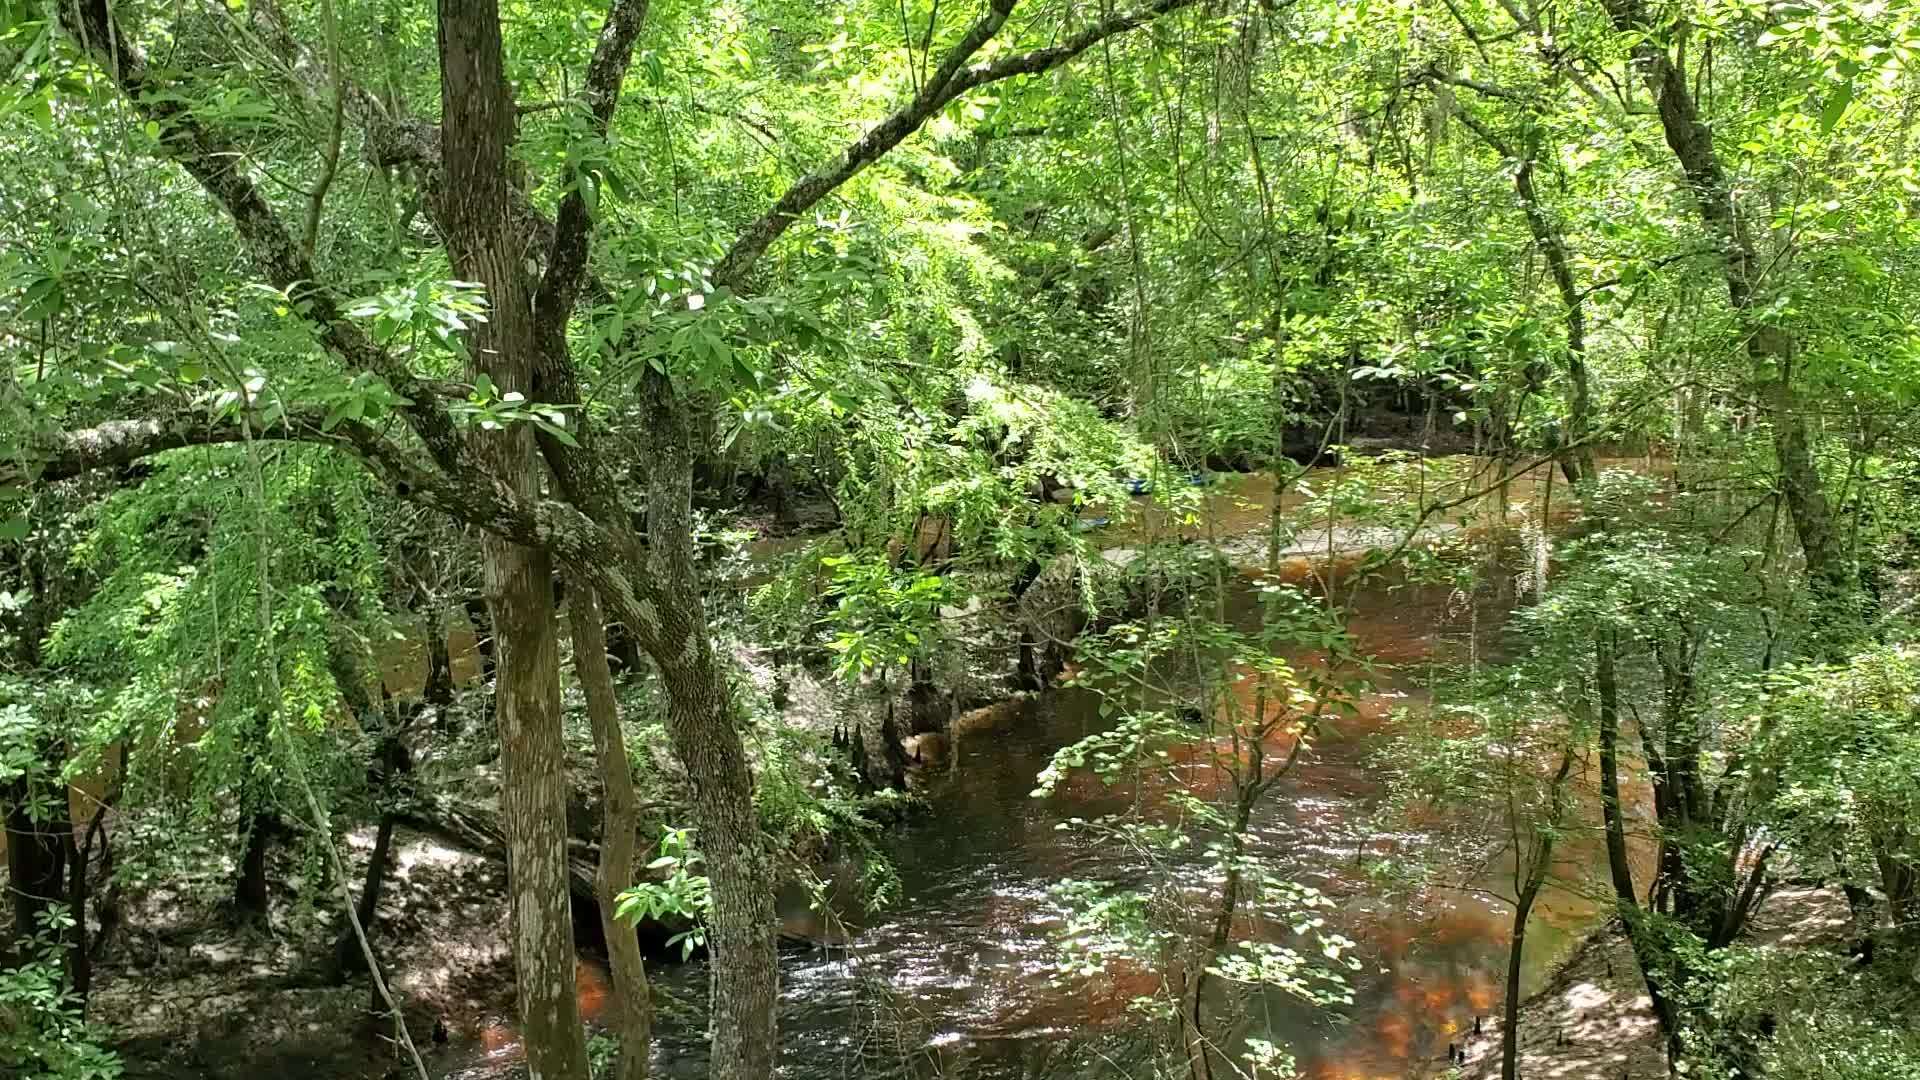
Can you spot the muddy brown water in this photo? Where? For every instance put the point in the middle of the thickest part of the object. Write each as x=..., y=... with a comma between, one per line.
x=958, y=977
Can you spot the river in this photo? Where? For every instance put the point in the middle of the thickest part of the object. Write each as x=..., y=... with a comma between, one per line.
x=957, y=977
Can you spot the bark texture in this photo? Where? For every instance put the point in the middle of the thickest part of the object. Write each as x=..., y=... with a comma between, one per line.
x=702, y=726
x=477, y=111
x=632, y=1019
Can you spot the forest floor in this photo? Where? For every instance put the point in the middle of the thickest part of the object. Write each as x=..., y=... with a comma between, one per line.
x=1593, y=1020
x=190, y=994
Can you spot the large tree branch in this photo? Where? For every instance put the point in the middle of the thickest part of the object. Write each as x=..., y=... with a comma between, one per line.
x=277, y=254
x=113, y=444
x=948, y=82
x=573, y=225
x=600, y=555
x=1692, y=144
x=217, y=164
x=580, y=473
x=934, y=94
x=1039, y=60
x=1434, y=73
x=63, y=455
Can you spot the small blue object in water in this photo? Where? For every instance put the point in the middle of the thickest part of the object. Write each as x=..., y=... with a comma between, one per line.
x=1199, y=479
x=1084, y=524
x=1138, y=485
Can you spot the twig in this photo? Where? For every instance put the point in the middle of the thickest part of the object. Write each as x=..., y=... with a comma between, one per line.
x=330, y=162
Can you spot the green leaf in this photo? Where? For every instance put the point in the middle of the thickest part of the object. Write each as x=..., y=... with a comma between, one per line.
x=562, y=434
x=1837, y=103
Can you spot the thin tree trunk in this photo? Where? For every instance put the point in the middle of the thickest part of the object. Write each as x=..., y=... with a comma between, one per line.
x=79, y=956
x=482, y=620
x=347, y=957
x=1529, y=891
x=438, y=691
x=1516, y=961
x=1577, y=461
x=80, y=946
x=702, y=725
x=1606, y=683
x=623, y=650
x=390, y=760
x=632, y=1019
x=1199, y=1065
x=1646, y=953
x=1770, y=349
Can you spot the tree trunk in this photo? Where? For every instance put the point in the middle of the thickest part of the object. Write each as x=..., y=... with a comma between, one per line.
x=475, y=212
x=623, y=650
x=1647, y=954
x=741, y=930
x=1800, y=482
x=1901, y=882
x=1540, y=865
x=79, y=955
x=1246, y=796
x=438, y=691
x=36, y=860
x=1576, y=461
x=533, y=805
x=81, y=947
x=701, y=723
x=1768, y=347
x=482, y=620
x=780, y=491
x=391, y=759
x=250, y=888
x=1516, y=959
x=632, y=1019
x=347, y=957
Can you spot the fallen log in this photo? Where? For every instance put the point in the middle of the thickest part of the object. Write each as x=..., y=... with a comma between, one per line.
x=477, y=830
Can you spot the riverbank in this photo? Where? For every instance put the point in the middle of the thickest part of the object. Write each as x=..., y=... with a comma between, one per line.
x=1593, y=1019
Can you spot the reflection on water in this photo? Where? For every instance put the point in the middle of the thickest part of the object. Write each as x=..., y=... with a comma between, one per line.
x=957, y=979
x=497, y=1041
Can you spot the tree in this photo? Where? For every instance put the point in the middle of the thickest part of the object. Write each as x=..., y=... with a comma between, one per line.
x=530, y=389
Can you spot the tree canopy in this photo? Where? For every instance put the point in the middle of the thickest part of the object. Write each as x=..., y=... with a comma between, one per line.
x=629, y=440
